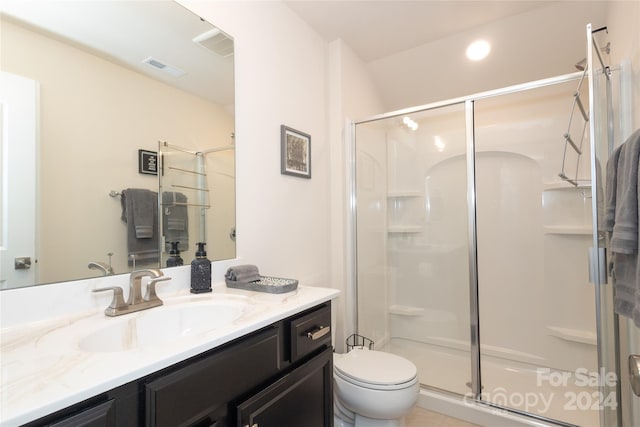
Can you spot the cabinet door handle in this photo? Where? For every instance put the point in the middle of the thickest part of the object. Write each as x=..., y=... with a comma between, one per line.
x=318, y=333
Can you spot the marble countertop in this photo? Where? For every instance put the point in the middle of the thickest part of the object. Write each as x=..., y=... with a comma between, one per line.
x=44, y=369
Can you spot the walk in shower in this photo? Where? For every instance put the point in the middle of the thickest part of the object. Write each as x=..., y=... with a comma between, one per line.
x=474, y=220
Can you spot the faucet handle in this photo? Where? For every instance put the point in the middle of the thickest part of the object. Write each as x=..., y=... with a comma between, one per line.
x=117, y=303
x=150, y=294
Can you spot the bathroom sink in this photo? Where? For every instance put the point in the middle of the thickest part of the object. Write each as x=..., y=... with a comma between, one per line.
x=160, y=326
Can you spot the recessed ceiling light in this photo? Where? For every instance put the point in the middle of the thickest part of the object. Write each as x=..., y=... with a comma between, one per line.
x=478, y=50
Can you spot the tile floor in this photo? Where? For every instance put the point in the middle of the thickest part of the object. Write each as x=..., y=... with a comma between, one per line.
x=422, y=418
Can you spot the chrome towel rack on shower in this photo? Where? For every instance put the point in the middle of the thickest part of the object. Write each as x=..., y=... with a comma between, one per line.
x=578, y=105
x=568, y=140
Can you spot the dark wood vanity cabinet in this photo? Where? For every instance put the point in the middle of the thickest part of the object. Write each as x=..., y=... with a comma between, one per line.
x=278, y=376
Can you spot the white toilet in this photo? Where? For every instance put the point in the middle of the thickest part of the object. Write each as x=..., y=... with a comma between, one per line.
x=373, y=389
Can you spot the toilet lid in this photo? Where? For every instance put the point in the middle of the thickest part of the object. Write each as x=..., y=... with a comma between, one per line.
x=375, y=367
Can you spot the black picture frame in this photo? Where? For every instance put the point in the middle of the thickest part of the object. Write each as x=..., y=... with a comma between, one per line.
x=147, y=162
x=295, y=151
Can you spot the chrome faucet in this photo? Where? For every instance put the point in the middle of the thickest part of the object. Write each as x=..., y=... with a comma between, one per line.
x=104, y=268
x=136, y=301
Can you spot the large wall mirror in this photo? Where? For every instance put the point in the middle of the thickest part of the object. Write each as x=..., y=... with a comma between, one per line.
x=89, y=91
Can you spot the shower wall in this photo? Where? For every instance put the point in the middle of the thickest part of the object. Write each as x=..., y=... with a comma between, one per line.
x=536, y=305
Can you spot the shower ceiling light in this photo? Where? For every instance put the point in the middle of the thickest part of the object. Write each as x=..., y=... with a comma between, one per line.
x=409, y=123
x=478, y=50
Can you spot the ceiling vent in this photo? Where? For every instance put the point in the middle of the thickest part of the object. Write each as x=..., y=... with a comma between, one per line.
x=215, y=41
x=164, y=67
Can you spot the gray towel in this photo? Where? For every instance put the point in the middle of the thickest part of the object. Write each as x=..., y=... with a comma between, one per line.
x=611, y=178
x=621, y=220
x=243, y=273
x=140, y=212
x=624, y=237
x=175, y=220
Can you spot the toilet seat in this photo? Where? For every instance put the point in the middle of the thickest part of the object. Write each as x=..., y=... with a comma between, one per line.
x=376, y=370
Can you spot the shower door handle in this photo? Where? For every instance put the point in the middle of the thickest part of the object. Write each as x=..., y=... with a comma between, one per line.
x=598, y=259
x=634, y=373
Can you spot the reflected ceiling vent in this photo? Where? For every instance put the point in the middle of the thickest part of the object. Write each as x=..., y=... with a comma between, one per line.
x=164, y=67
x=215, y=41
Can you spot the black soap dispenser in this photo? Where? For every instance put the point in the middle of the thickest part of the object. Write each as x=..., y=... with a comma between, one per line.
x=174, y=259
x=200, y=271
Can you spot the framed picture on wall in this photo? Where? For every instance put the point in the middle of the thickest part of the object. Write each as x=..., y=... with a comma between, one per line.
x=295, y=149
x=147, y=162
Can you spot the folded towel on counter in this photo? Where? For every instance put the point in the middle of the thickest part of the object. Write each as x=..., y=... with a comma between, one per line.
x=140, y=212
x=243, y=273
x=175, y=220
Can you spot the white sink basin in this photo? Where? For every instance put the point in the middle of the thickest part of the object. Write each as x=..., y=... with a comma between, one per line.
x=160, y=325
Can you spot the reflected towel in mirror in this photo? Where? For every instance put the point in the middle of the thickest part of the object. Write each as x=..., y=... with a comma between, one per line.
x=140, y=213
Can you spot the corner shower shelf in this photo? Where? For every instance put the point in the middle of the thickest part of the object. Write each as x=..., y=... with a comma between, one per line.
x=563, y=185
x=405, y=229
x=575, y=335
x=576, y=230
x=404, y=208
x=406, y=310
x=398, y=194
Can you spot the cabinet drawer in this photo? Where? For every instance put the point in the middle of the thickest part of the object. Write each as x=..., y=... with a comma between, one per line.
x=102, y=415
x=310, y=332
x=84, y=414
x=199, y=392
x=302, y=398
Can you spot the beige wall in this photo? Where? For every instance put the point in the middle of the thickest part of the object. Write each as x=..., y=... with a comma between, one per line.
x=353, y=96
x=283, y=221
x=94, y=116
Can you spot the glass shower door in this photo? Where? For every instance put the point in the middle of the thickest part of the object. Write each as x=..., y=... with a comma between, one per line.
x=412, y=240
x=537, y=305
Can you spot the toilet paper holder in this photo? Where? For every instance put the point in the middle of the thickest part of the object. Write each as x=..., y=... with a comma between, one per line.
x=358, y=341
